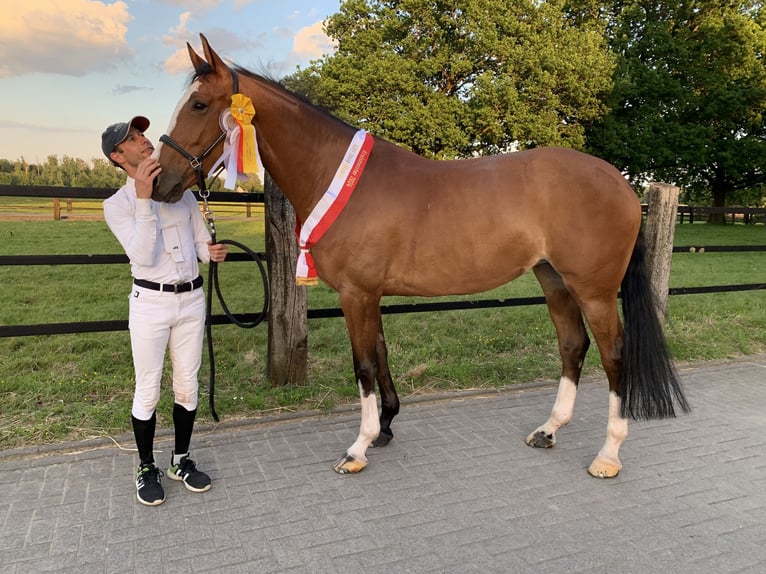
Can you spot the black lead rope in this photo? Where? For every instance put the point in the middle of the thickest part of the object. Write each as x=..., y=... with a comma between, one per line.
x=213, y=283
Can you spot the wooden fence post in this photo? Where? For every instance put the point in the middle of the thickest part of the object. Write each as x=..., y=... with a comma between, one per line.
x=659, y=231
x=287, y=350
x=56, y=209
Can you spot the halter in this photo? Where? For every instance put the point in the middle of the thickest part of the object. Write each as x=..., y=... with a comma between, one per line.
x=196, y=161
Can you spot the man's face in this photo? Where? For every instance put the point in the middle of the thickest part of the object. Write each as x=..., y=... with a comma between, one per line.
x=133, y=149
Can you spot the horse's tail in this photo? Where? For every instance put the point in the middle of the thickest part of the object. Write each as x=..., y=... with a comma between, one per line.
x=649, y=381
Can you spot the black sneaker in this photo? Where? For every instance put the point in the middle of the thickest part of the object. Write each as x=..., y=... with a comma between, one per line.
x=195, y=480
x=149, y=489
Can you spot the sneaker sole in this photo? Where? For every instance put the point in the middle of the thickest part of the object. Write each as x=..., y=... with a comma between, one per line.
x=148, y=503
x=186, y=484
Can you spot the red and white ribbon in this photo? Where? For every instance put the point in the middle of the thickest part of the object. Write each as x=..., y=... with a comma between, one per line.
x=331, y=204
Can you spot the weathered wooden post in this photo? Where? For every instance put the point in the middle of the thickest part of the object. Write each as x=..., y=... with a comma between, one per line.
x=288, y=328
x=659, y=231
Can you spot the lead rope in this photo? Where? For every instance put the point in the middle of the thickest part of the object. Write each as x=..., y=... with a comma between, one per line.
x=212, y=279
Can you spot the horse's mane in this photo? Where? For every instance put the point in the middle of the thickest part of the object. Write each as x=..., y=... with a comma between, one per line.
x=270, y=82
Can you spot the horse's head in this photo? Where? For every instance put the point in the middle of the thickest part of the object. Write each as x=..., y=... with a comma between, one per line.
x=194, y=138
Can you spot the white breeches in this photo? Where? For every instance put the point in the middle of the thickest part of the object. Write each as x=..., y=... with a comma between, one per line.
x=165, y=320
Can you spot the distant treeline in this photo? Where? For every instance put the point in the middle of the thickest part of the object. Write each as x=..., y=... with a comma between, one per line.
x=75, y=172
x=65, y=172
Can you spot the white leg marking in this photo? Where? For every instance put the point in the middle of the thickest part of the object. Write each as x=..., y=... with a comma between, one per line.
x=369, y=429
x=616, y=431
x=563, y=408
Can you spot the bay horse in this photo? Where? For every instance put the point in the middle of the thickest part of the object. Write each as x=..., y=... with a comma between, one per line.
x=420, y=227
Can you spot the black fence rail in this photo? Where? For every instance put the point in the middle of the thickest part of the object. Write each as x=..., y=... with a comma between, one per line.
x=103, y=193
x=690, y=213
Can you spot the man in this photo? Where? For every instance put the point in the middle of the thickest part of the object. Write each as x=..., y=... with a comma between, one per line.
x=167, y=305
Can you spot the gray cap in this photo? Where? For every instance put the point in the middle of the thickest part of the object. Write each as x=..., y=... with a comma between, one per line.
x=115, y=134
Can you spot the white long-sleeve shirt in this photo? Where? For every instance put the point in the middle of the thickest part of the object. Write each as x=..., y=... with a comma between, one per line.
x=162, y=240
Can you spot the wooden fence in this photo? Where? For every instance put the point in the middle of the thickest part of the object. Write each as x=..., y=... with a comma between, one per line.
x=692, y=213
x=287, y=309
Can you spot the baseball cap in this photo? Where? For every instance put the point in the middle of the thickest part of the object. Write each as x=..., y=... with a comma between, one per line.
x=115, y=134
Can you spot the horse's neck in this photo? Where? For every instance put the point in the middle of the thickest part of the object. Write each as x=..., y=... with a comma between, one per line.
x=301, y=147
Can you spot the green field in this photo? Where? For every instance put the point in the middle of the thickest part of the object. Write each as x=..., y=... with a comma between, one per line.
x=72, y=387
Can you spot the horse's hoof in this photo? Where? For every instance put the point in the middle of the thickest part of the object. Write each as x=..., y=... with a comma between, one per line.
x=539, y=439
x=383, y=439
x=603, y=467
x=349, y=465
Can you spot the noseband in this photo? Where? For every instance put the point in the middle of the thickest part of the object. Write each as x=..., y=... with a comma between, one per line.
x=196, y=161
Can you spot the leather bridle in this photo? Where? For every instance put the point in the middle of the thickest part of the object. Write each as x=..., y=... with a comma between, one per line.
x=195, y=161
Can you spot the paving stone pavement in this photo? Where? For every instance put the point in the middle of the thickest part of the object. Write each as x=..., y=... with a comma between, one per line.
x=457, y=491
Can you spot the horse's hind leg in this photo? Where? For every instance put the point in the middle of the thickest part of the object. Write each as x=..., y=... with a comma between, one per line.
x=604, y=321
x=389, y=400
x=573, y=344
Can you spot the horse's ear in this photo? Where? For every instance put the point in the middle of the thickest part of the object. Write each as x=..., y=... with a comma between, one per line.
x=198, y=63
x=213, y=59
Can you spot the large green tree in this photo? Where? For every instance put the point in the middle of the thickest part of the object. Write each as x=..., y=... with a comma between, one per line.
x=689, y=96
x=458, y=78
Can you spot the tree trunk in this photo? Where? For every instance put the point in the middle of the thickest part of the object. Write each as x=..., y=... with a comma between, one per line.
x=718, y=188
x=288, y=329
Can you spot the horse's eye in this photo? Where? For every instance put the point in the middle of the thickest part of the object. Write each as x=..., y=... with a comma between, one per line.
x=198, y=106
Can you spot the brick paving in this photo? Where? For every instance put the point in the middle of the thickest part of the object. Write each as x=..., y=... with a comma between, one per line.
x=457, y=491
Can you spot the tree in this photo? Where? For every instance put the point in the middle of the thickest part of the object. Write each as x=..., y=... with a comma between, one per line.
x=453, y=79
x=689, y=96
x=65, y=172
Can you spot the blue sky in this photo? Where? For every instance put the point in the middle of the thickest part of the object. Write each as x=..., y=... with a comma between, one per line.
x=69, y=68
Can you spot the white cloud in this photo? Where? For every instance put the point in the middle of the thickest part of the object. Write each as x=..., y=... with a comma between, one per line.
x=69, y=37
x=122, y=89
x=178, y=62
x=222, y=40
x=311, y=42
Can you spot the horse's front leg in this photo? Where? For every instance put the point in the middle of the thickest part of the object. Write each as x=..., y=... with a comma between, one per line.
x=362, y=313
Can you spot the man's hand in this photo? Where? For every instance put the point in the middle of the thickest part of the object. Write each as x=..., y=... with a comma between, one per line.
x=217, y=251
x=146, y=171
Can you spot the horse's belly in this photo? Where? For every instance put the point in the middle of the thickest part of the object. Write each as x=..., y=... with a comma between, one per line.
x=463, y=267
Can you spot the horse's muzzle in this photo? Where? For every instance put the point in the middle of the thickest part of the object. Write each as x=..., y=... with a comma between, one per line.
x=167, y=189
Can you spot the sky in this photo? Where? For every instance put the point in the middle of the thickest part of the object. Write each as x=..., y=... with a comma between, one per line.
x=69, y=68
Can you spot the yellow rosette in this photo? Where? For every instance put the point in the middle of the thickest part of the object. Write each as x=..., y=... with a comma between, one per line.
x=243, y=111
